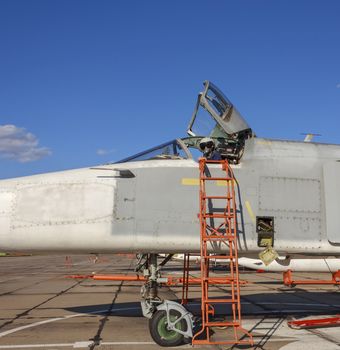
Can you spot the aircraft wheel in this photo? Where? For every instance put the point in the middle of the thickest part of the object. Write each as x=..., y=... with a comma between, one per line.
x=158, y=326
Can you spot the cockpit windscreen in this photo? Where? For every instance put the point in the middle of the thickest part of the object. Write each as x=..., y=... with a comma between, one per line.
x=168, y=150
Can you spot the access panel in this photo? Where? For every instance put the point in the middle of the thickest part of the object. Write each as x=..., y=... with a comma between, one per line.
x=331, y=174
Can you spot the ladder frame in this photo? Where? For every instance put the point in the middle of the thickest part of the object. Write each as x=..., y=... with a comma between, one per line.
x=224, y=233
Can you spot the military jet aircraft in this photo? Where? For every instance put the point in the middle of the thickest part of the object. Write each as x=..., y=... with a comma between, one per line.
x=288, y=196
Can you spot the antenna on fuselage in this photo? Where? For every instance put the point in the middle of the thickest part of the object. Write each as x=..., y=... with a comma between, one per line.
x=309, y=136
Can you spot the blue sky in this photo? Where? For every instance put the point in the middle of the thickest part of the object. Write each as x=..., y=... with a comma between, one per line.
x=86, y=82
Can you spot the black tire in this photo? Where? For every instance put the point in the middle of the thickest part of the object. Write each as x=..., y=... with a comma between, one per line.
x=159, y=332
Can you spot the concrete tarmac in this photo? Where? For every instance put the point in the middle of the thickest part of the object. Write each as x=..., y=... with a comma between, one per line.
x=42, y=309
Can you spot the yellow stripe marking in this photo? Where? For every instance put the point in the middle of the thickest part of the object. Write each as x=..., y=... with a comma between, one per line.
x=223, y=182
x=190, y=181
x=250, y=211
x=187, y=181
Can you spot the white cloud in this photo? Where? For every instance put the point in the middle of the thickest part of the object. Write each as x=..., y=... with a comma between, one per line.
x=20, y=145
x=104, y=152
x=338, y=86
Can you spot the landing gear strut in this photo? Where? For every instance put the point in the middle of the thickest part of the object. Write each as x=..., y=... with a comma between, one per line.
x=170, y=323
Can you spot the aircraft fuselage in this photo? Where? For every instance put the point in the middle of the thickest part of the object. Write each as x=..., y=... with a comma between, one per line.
x=100, y=209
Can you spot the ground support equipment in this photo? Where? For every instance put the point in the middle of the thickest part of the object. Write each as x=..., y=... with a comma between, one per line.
x=218, y=234
x=164, y=280
x=289, y=281
x=315, y=323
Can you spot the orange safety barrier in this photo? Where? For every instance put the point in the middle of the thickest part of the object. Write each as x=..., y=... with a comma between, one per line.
x=289, y=281
x=168, y=280
x=315, y=323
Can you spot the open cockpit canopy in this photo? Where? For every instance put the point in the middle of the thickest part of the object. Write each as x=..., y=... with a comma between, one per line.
x=215, y=116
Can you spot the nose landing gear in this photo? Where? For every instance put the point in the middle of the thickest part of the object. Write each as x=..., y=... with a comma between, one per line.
x=170, y=327
x=170, y=324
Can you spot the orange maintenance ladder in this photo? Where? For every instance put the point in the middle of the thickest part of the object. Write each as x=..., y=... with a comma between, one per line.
x=219, y=233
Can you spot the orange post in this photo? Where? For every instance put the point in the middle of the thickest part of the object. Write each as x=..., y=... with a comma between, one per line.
x=185, y=285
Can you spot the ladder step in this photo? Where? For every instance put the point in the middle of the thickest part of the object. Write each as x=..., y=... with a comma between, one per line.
x=220, y=301
x=221, y=216
x=217, y=197
x=215, y=161
x=222, y=324
x=219, y=238
x=207, y=178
